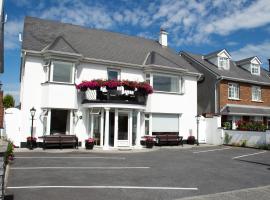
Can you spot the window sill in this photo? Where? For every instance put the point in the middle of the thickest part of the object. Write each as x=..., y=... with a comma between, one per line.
x=57, y=83
x=259, y=101
x=163, y=92
x=233, y=99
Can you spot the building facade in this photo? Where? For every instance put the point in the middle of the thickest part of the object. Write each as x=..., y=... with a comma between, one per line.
x=236, y=90
x=57, y=56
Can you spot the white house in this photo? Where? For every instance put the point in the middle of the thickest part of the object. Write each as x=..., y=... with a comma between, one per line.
x=56, y=56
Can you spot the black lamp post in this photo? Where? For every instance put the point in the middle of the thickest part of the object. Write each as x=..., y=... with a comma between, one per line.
x=33, y=112
x=198, y=121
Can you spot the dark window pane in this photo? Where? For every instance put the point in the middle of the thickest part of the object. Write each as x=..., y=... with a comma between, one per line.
x=59, y=121
x=112, y=75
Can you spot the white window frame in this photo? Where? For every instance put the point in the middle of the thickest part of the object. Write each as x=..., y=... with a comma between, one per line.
x=63, y=62
x=255, y=69
x=166, y=75
x=223, y=59
x=256, y=93
x=115, y=70
x=236, y=91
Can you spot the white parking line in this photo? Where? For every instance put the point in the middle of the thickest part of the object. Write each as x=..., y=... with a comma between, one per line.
x=86, y=157
x=104, y=187
x=249, y=155
x=37, y=168
x=212, y=150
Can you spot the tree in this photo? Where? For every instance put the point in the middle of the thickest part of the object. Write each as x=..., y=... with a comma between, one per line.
x=8, y=101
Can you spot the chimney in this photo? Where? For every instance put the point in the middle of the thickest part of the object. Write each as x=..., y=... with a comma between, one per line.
x=163, y=38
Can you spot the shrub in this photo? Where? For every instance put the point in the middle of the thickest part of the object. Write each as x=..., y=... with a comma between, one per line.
x=10, y=152
x=227, y=138
x=250, y=126
x=227, y=125
x=8, y=101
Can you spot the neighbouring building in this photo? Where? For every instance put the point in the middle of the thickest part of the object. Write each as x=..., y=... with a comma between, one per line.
x=56, y=56
x=2, y=21
x=236, y=90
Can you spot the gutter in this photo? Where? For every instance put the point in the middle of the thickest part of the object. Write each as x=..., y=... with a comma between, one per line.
x=217, y=95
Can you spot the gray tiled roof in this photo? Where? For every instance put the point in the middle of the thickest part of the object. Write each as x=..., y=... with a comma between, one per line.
x=42, y=34
x=235, y=72
x=250, y=111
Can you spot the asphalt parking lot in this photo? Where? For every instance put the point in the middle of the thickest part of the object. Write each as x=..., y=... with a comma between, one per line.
x=162, y=174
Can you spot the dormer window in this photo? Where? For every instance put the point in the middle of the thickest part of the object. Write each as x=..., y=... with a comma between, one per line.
x=255, y=69
x=223, y=63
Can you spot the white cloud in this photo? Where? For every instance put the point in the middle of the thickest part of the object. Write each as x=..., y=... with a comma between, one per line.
x=187, y=21
x=261, y=50
x=12, y=30
x=256, y=15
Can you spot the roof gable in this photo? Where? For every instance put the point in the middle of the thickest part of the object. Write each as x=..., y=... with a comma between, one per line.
x=218, y=53
x=60, y=44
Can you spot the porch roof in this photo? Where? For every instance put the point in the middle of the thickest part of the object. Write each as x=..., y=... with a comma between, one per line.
x=245, y=110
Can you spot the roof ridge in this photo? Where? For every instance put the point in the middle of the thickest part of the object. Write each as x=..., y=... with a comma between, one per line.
x=93, y=29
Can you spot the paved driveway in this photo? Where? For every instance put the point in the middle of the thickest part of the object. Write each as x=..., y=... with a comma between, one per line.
x=162, y=174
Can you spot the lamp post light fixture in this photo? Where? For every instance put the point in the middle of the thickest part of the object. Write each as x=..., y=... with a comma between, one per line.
x=198, y=121
x=33, y=112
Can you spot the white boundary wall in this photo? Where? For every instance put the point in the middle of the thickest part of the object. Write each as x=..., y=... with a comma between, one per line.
x=252, y=138
x=12, y=125
x=209, y=130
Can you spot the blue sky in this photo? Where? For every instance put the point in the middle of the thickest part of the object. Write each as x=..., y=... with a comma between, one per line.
x=240, y=26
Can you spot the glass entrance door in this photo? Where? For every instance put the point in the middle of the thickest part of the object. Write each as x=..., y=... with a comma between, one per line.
x=123, y=129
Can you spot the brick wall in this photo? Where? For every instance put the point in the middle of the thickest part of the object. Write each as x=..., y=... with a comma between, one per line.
x=244, y=94
x=1, y=109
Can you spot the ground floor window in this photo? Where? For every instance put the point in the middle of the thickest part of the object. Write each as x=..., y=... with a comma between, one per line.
x=60, y=122
x=147, y=124
x=164, y=123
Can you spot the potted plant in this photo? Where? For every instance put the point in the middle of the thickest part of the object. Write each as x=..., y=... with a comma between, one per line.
x=149, y=142
x=89, y=143
x=227, y=125
x=191, y=140
x=31, y=142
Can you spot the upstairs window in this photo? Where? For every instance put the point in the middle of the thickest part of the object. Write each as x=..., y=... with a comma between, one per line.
x=233, y=92
x=256, y=93
x=166, y=83
x=62, y=72
x=223, y=62
x=113, y=74
x=255, y=69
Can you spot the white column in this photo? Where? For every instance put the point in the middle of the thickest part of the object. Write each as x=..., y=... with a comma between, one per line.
x=71, y=131
x=130, y=128
x=179, y=124
x=91, y=125
x=115, y=128
x=150, y=124
x=48, y=123
x=101, y=127
x=107, y=118
x=138, y=131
